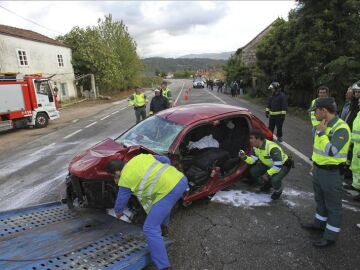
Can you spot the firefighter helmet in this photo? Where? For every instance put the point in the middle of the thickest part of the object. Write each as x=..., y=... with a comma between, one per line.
x=356, y=86
x=274, y=86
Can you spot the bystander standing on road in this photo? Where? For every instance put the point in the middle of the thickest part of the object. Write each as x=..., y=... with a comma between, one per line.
x=268, y=161
x=158, y=102
x=276, y=110
x=233, y=88
x=346, y=108
x=158, y=186
x=322, y=91
x=220, y=86
x=331, y=145
x=241, y=87
x=139, y=101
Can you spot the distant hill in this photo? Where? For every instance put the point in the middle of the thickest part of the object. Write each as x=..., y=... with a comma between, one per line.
x=179, y=64
x=218, y=56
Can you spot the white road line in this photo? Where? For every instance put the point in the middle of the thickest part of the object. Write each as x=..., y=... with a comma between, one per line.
x=72, y=134
x=105, y=117
x=43, y=149
x=288, y=146
x=182, y=88
x=93, y=123
x=216, y=96
x=124, y=108
x=295, y=151
x=114, y=112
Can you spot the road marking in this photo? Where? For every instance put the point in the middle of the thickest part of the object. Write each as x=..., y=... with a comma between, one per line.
x=93, y=123
x=182, y=88
x=114, y=112
x=295, y=151
x=43, y=149
x=216, y=97
x=105, y=117
x=75, y=120
x=288, y=146
x=72, y=134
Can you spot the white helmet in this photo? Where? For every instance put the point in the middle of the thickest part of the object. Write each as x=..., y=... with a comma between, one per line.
x=356, y=86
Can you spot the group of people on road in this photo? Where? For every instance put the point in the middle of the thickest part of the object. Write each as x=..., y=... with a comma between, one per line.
x=158, y=185
x=161, y=101
x=237, y=88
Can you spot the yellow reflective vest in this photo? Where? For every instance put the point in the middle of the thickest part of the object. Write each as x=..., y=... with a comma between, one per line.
x=322, y=146
x=166, y=93
x=138, y=100
x=314, y=122
x=265, y=158
x=149, y=179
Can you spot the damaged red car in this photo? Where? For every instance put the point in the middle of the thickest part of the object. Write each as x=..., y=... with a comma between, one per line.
x=201, y=140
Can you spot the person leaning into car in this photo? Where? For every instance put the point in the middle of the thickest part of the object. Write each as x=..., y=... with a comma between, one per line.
x=158, y=186
x=139, y=101
x=269, y=162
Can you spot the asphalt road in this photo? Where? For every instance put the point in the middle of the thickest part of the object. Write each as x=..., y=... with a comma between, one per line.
x=207, y=235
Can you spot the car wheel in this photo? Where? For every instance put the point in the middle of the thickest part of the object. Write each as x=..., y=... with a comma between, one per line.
x=41, y=120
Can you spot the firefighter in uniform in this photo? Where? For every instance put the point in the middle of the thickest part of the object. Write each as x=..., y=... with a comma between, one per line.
x=268, y=162
x=276, y=109
x=331, y=145
x=322, y=91
x=158, y=186
x=139, y=101
x=166, y=93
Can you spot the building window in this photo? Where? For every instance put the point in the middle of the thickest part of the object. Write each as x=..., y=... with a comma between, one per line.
x=22, y=57
x=60, y=60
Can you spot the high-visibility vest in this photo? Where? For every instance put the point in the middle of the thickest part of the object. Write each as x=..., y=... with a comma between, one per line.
x=138, y=100
x=322, y=146
x=166, y=93
x=264, y=156
x=355, y=162
x=149, y=179
x=314, y=122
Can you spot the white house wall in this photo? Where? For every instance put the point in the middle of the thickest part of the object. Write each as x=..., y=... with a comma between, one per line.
x=42, y=58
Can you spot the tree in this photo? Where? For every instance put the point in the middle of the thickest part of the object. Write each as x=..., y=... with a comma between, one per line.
x=106, y=50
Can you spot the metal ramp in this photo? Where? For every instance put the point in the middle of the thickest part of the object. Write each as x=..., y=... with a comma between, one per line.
x=51, y=236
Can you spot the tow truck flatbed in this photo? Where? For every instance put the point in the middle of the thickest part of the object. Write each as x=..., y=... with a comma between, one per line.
x=50, y=236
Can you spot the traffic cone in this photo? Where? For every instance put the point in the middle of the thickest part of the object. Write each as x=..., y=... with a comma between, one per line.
x=186, y=95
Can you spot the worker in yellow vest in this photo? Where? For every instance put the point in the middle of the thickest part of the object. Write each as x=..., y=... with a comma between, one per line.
x=331, y=146
x=139, y=101
x=355, y=162
x=322, y=91
x=166, y=92
x=268, y=161
x=158, y=186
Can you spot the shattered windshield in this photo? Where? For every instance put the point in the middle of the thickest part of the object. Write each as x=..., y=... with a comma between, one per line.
x=154, y=133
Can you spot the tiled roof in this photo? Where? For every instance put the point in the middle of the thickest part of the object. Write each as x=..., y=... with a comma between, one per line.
x=28, y=34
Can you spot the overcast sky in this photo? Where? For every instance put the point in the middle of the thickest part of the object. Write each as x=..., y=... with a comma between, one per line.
x=160, y=28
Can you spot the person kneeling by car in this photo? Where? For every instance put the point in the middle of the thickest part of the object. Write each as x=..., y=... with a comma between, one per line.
x=268, y=162
x=158, y=186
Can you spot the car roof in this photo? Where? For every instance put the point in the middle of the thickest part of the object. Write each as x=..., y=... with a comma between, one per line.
x=188, y=114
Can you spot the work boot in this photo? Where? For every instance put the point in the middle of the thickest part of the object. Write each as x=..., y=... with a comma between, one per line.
x=321, y=243
x=266, y=186
x=276, y=195
x=312, y=227
x=279, y=139
x=164, y=231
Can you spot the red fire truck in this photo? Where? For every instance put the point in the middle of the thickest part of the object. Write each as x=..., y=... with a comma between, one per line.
x=26, y=100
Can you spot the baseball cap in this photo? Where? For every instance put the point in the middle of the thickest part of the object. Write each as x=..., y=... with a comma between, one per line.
x=325, y=102
x=356, y=86
x=157, y=90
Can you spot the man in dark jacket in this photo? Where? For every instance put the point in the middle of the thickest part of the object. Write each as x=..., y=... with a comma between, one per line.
x=158, y=102
x=276, y=109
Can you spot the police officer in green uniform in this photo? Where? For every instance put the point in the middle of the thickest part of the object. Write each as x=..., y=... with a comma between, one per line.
x=322, y=91
x=331, y=145
x=269, y=162
x=166, y=93
x=139, y=101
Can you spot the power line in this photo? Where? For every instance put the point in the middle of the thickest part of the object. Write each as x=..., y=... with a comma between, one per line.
x=8, y=10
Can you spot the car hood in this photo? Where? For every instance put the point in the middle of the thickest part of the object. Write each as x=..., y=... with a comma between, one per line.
x=91, y=164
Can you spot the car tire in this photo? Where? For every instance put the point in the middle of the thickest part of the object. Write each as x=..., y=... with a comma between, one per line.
x=41, y=120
